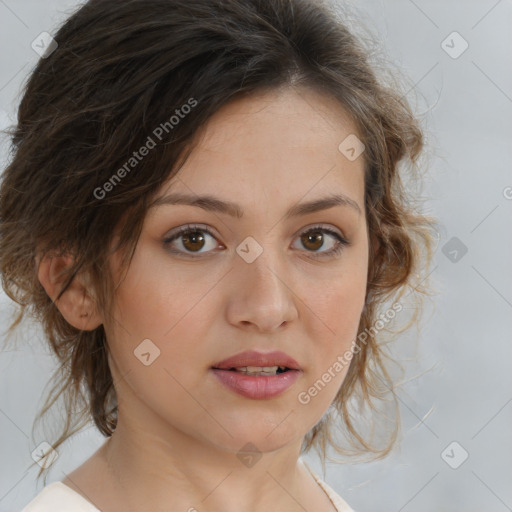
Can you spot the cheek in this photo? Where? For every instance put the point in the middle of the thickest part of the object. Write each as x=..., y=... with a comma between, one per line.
x=339, y=300
x=162, y=317
x=157, y=299
x=152, y=350
x=339, y=309
x=338, y=306
x=158, y=323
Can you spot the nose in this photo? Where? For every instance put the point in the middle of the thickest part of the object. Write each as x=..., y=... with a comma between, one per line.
x=263, y=298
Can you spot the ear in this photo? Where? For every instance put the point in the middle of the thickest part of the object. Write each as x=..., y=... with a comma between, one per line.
x=76, y=304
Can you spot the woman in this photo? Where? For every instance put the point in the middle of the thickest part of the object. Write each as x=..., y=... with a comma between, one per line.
x=205, y=212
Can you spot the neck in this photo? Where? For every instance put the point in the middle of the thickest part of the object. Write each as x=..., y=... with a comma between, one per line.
x=168, y=469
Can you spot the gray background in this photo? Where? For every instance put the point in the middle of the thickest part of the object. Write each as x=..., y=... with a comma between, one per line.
x=459, y=382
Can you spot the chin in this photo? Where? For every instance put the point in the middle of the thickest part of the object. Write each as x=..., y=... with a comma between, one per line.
x=266, y=432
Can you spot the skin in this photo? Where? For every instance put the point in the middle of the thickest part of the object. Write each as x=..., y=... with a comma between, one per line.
x=179, y=430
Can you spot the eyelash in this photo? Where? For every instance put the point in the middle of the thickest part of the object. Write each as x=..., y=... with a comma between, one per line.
x=193, y=228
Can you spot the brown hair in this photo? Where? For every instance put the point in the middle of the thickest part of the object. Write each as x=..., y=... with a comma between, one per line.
x=122, y=69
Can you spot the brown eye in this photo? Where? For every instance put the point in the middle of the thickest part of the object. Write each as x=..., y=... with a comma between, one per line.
x=318, y=237
x=313, y=240
x=191, y=240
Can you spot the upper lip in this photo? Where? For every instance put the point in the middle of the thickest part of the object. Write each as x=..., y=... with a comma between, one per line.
x=255, y=358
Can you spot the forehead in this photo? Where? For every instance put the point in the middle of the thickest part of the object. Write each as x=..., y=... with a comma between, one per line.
x=271, y=145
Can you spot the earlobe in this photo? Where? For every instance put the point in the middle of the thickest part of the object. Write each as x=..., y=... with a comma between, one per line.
x=76, y=304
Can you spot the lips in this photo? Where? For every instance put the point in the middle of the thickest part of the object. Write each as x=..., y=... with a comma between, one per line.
x=258, y=359
x=251, y=374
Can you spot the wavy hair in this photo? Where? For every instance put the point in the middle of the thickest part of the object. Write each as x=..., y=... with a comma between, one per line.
x=120, y=70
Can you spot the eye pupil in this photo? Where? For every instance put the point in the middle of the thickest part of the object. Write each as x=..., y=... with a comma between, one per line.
x=314, y=237
x=193, y=237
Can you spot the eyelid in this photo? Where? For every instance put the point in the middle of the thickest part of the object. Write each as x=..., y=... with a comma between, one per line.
x=189, y=227
x=175, y=234
x=341, y=239
x=211, y=231
x=329, y=228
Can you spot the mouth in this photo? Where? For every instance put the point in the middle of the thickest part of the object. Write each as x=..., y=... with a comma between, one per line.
x=252, y=361
x=258, y=375
x=257, y=370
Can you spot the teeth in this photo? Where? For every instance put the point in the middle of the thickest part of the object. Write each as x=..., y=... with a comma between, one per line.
x=259, y=370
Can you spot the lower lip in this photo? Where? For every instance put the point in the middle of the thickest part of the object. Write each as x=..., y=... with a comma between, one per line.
x=257, y=386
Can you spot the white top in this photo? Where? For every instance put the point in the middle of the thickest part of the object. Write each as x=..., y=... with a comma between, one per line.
x=58, y=497
x=339, y=503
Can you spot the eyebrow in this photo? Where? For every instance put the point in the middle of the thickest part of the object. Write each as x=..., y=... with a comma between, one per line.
x=211, y=203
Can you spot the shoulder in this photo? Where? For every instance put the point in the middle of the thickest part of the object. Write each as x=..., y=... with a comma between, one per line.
x=339, y=503
x=58, y=497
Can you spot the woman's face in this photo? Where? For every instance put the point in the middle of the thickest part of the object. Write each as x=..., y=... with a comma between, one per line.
x=275, y=278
